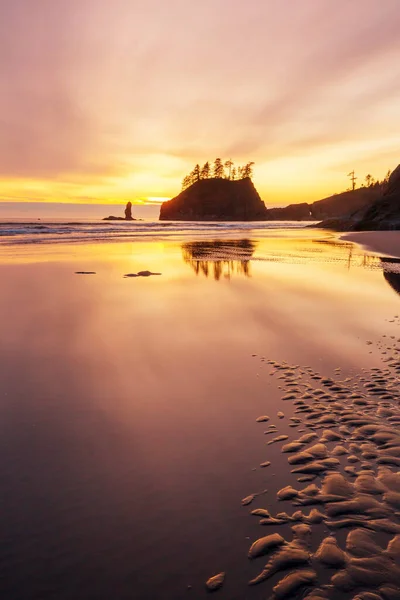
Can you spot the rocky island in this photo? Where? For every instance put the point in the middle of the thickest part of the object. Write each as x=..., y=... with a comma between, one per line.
x=216, y=200
x=128, y=215
x=219, y=193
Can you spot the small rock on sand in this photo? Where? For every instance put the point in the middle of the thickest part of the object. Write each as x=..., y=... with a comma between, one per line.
x=141, y=274
x=248, y=500
x=215, y=583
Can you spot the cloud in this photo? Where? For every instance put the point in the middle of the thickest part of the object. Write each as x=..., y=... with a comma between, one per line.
x=97, y=92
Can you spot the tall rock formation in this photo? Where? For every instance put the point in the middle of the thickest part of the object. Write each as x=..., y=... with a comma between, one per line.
x=128, y=215
x=128, y=212
x=216, y=200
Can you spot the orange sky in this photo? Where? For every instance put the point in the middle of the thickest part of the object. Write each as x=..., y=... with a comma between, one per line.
x=114, y=101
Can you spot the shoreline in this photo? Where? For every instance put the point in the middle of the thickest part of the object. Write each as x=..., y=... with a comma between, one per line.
x=386, y=243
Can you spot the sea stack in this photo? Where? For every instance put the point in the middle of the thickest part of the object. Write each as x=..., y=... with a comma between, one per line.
x=128, y=212
x=216, y=199
x=128, y=215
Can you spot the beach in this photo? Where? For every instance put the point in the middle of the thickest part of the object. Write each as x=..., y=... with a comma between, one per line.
x=133, y=372
x=382, y=242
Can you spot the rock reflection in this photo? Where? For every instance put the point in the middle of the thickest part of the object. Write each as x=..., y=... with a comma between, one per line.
x=219, y=258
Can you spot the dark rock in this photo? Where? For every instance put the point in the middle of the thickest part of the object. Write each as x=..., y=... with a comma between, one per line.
x=340, y=206
x=382, y=213
x=128, y=215
x=128, y=212
x=344, y=204
x=141, y=274
x=216, y=200
x=293, y=212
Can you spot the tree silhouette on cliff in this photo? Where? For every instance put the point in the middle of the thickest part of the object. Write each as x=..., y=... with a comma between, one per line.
x=219, y=170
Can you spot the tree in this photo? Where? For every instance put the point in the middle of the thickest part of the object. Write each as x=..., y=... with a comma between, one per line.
x=247, y=170
x=229, y=165
x=205, y=171
x=353, y=179
x=196, y=173
x=387, y=176
x=186, y=182
x=233, y=174
x=218, y=168
x=368, y=180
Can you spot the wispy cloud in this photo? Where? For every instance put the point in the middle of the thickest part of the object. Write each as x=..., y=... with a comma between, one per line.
x=119, y=98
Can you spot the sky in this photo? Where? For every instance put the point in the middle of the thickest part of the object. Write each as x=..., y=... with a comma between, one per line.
x=113, y=101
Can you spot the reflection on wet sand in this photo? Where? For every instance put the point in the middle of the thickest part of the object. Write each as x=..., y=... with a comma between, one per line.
x=219, y=258
x=391, y=276
x=391, y=270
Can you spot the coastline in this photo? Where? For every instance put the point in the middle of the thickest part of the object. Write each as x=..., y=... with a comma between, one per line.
x=383, y=242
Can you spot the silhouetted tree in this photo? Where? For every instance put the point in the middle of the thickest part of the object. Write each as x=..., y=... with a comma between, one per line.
x=228, y=166
x=353, y=179
x=368, y=180
x=218, y=172
x=218, y=168
x=205, y=171
x=186, y=182
x=196, y=173
x=247, y=170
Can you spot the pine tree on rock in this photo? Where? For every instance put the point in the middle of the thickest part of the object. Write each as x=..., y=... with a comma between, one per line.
x=196, y=173
x=247, y=170
x=205, y=171
x=218, y=168
x=228, y=166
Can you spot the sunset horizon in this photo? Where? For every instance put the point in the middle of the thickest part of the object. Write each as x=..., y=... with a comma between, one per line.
x=107, y=105
x=199, y=308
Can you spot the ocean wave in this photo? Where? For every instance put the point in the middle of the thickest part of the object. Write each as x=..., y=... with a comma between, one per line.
x=67, y=232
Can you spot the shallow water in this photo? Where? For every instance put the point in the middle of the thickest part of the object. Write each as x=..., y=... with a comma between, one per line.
x=129, y=405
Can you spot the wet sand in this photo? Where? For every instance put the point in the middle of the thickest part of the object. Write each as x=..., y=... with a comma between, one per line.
x=131, y=456
x=381, y=242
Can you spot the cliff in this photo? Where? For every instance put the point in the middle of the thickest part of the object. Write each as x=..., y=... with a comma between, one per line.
x=293, y=212
x=216, y=200
x=338, y=205
x=382, y=213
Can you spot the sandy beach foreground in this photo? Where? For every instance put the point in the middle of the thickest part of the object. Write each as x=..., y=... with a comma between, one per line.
x=236, y=414
x=382, y=242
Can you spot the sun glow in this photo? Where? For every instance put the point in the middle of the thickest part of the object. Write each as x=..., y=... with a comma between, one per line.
x=132, y=113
